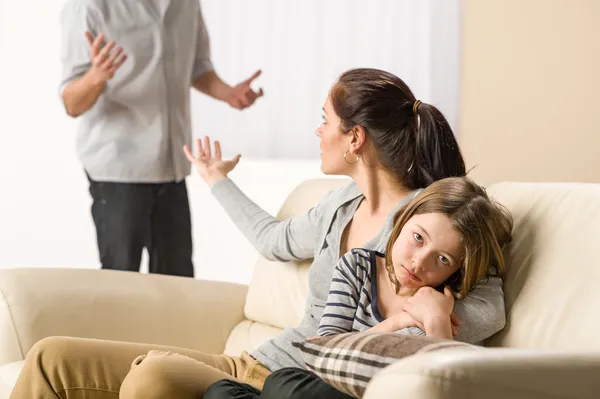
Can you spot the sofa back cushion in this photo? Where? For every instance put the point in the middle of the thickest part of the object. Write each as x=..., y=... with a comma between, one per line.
x=551, y=285
x=277, y=294
x=278, y=290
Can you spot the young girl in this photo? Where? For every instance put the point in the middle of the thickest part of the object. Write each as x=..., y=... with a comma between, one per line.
x=448, y=238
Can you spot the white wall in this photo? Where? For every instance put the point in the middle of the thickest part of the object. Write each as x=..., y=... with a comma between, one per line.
x=304, y=45
x=44, y=204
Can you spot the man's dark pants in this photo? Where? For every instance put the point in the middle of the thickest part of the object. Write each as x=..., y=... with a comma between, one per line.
x=132, y=216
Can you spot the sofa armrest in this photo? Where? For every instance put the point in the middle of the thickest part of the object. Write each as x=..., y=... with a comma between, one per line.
x=490, y=373
x=115, y=305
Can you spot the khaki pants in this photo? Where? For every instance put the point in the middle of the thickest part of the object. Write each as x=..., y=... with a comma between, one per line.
x=77, y=368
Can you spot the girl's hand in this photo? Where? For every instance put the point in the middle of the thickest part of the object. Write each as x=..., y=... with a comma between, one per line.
x=210, y=168
x=428, y=305
x=403, y=320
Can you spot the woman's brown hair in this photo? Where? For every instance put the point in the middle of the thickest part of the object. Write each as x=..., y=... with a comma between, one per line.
x=412, y=139
x=485, y=227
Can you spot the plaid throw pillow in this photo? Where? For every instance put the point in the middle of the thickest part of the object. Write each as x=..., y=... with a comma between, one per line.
x=349, y=361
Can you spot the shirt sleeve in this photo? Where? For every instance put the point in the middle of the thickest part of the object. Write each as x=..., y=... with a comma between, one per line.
x=482, y=312
x=344, y=296
x=411, y=331
x=75, y=20
x=281, y=240
x=202, y=61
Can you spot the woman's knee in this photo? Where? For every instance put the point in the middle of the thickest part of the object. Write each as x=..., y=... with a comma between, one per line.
x=152, y=377
x=147, y=379
x=51, y=349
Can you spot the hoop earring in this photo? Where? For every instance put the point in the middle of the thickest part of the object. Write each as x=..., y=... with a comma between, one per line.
x=351, y=163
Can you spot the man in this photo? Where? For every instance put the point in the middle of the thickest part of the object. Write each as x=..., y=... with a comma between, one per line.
x=129, y=83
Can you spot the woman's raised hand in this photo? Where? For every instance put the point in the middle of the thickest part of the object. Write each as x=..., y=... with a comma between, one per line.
x=211, y=168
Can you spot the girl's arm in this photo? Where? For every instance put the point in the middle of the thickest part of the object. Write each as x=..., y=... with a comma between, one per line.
x=394, y=323
x=439, y=327
x=343, y=301
x=344, y=295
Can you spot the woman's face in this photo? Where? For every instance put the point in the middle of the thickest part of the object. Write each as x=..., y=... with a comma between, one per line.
x=333, y=143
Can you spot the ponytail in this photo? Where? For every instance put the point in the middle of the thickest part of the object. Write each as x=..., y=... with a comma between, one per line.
x=436, y=152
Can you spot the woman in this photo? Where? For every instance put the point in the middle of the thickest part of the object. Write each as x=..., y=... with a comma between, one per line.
x=374, y=131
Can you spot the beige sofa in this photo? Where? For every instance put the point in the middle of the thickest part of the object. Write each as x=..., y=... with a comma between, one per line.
x=549, y=349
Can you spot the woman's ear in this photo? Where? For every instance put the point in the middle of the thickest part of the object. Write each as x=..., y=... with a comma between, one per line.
x=358, y=138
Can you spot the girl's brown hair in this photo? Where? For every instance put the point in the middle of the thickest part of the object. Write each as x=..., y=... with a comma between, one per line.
x=484, y=225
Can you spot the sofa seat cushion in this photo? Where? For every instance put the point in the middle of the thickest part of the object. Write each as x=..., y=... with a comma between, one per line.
x=248, y=335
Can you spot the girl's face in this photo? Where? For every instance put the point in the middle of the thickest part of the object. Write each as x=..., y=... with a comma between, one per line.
x=427, y=252
x=333, y=143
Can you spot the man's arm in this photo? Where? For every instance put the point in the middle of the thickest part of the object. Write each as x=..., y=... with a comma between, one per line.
x=206, y=80
x=81, y=94
x=204, y=77
x=212, y=85
x=239, y=97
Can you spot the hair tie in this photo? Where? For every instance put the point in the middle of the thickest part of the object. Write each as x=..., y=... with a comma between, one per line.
x=416, y=106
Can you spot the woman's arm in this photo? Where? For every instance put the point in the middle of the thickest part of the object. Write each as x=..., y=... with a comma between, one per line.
x=343, y=299
x=281, y=240
x=482, y=312
x=290, y=239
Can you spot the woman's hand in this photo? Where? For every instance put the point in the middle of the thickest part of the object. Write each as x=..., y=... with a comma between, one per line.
x=433, y=311
x=210, y=168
